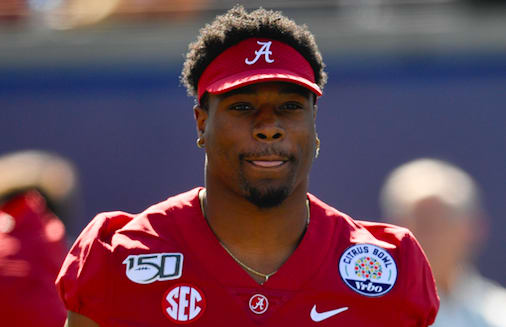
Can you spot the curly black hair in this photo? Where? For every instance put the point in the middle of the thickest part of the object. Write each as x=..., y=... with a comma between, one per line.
x=236, y=25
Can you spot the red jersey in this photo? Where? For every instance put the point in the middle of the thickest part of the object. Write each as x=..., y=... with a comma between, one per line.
x=165, y=267
x=32, y=249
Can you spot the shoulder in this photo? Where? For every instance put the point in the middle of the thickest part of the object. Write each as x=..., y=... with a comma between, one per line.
x=162, y=222
x=106, y=226
x=394, y=236
x=103, y=245
x=380, y=260
x=84, y=275
x=357, y=231
x=348, y=234
x=397, y=241
x=104, y=229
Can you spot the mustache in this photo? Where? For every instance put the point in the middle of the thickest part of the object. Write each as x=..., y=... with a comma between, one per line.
x=270, y=151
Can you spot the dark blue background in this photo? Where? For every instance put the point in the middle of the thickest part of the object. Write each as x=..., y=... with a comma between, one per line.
x=129, y=129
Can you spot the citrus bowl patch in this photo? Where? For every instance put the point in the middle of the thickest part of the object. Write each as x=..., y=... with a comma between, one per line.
x=368, y=269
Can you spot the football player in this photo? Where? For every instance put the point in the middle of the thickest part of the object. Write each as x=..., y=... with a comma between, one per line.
x=253, y=247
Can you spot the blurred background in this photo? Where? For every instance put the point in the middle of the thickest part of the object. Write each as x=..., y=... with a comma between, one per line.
x=97, y=81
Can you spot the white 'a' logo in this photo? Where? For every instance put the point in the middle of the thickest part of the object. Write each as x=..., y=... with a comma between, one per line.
x=264, y=50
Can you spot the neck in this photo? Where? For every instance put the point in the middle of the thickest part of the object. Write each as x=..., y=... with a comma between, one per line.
x=261, y=238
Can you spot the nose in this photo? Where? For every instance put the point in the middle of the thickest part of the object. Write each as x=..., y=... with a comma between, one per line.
x=267, y=128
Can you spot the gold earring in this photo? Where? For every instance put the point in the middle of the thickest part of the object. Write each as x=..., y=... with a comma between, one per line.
x=317, y=152
x=200, y=142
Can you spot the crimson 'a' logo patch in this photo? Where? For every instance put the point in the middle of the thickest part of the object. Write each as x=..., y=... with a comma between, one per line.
x=258, y=304
x=183, y=303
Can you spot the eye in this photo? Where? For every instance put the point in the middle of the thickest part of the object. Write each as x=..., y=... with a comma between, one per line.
x=242, y=106
x=291, y=106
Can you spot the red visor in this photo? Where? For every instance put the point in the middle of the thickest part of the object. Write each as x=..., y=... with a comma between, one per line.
x=256, y=60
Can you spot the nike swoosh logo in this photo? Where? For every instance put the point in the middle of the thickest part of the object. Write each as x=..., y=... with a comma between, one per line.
x=320, y=316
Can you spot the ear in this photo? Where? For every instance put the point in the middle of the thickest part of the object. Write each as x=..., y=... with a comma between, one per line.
x=315, y=111
x=200, y=115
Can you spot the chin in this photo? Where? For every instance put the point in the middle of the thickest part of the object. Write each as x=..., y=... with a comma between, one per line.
x=268, y=197
x=269, y=192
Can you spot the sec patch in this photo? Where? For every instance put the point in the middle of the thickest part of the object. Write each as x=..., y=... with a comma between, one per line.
x=368, y=269
x=183, y=303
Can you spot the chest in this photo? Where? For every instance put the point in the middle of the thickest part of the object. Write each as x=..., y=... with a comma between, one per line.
x=176, y=288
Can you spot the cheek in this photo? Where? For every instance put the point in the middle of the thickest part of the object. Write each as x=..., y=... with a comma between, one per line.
x=305, y=148
x=306, y=139
x=221, y=138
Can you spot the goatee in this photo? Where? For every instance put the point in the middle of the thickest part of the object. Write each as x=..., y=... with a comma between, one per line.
x=269, y=198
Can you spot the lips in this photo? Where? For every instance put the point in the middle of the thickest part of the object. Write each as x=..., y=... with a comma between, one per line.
x=266, y=161
x=267, y=164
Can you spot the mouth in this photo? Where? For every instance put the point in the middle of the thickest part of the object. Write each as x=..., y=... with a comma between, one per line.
x=267, y=162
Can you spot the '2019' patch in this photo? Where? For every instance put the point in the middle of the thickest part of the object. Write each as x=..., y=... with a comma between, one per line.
x=368, y=269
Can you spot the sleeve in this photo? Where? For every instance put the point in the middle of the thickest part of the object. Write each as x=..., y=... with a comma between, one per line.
x=420, y=288
x=84, y=281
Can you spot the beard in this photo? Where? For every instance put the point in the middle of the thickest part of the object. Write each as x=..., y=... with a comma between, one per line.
x=268, y=193
x=268, y=197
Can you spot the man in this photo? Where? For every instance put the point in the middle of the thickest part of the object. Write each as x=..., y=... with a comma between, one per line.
x=441, y=204
x=36, y=190
x=253, y=247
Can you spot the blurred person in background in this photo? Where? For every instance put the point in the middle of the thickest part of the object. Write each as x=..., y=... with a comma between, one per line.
x=441, y=205
x=37, y=195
